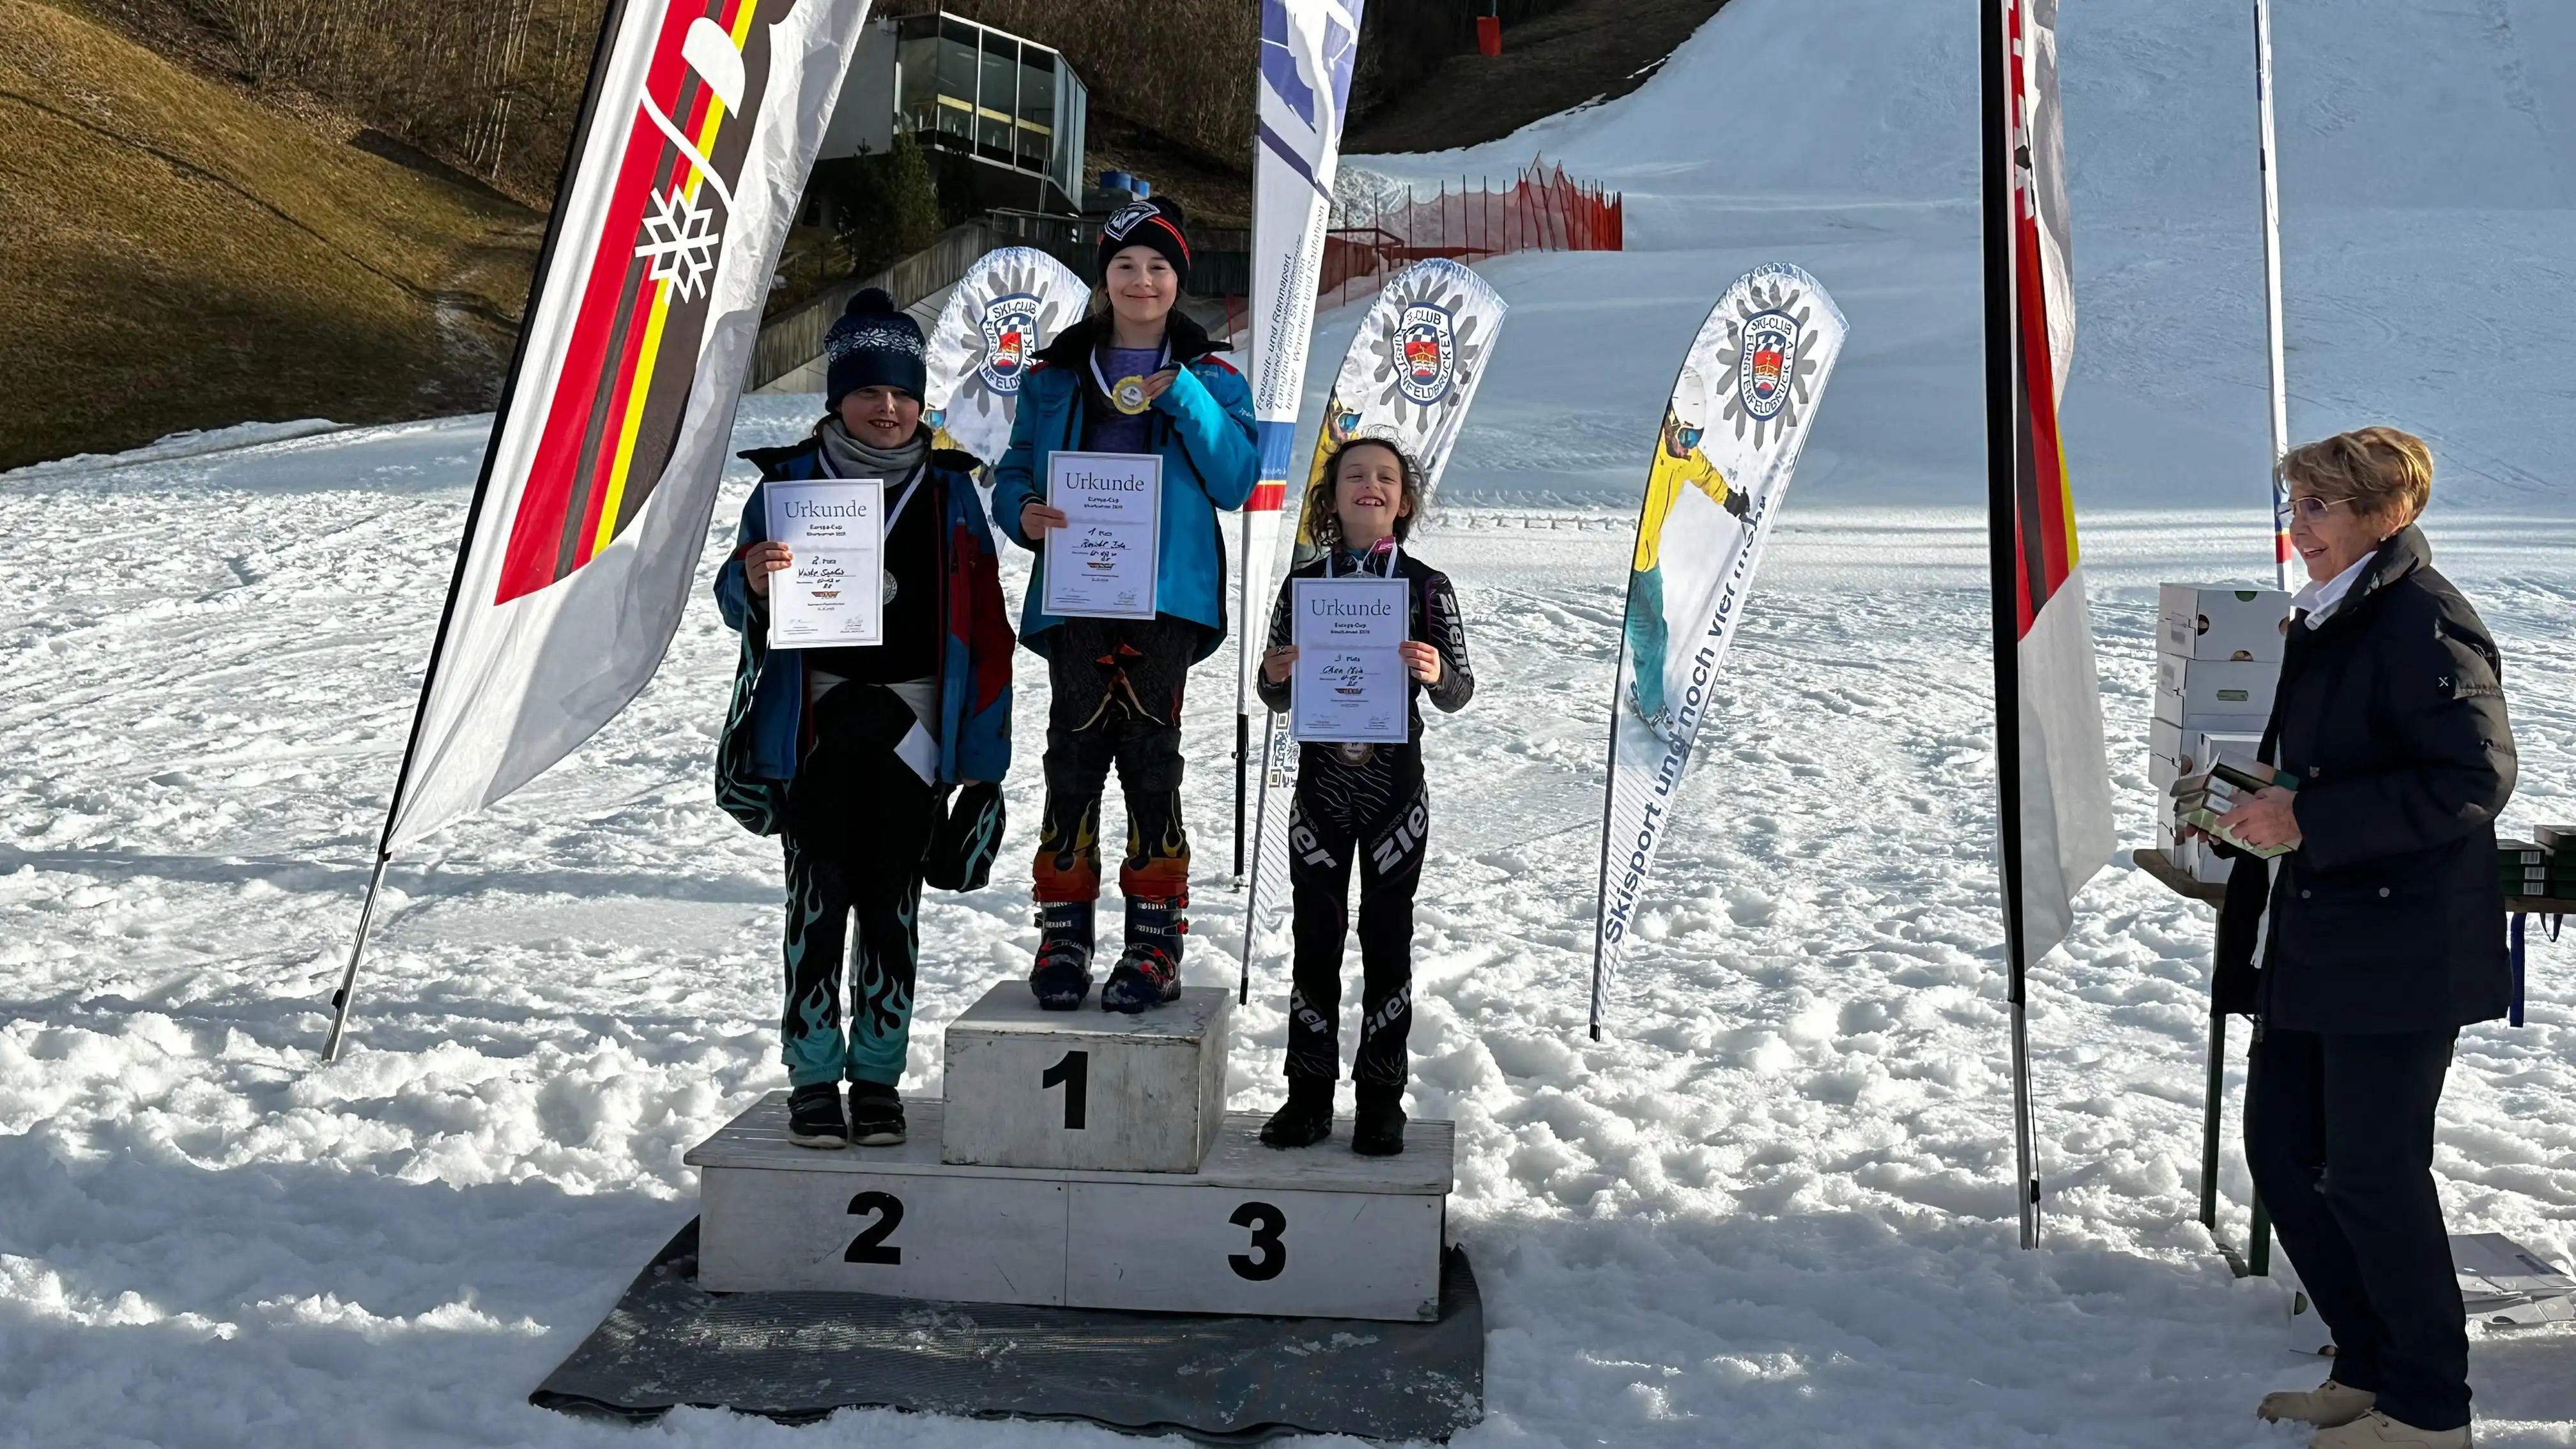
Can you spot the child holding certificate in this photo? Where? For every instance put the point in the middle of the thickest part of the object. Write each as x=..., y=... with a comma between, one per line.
x=849, y=751
x=1138, y=381
x=1361, y=803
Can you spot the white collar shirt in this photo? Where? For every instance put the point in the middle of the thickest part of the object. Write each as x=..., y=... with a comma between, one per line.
x=2320, y=599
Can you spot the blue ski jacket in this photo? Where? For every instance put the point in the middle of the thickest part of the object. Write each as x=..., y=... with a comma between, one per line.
x=764, y=734
x=1202, y=426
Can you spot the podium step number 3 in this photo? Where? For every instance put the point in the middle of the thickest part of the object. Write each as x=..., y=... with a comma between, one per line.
x=1319, y=1232
x=1086, y=1089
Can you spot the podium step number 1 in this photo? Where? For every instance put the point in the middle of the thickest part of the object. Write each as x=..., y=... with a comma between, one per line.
x=1086, y=1088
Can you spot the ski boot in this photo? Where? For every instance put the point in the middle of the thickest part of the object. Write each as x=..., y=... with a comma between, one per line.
x=1149, y=970
x=1307, y=1118
x=1377, y=1128
x=876, y=1114
x=814, y=1116
x=1062, y=975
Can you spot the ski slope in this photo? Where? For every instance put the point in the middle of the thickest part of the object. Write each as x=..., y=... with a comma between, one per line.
x=1770, y=1209
x=2428, y=190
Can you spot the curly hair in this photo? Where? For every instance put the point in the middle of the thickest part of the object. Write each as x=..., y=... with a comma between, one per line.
x=1324, y=516
x=2386, y=475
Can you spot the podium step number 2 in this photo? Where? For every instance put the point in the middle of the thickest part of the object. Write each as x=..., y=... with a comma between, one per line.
x=1320, y=1232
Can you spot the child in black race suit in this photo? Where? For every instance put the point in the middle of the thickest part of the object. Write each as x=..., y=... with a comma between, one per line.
x=1363, y=803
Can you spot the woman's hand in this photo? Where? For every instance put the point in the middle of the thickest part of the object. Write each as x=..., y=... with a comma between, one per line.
x=1159, y=383
x=1036, y=518
x=1275, y=663
x=760, y=561
x=2266, y=820
x=1422, y=659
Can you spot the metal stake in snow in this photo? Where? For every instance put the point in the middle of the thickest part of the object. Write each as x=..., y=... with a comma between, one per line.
x=2272, y=293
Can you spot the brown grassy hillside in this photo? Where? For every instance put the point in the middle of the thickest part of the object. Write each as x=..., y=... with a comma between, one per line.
x=182, y=257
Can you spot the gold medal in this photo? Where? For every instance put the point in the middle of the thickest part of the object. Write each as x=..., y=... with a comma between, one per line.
x=1129, y=396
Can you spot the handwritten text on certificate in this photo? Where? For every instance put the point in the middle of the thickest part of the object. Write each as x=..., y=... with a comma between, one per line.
x=1100, y=565
x=1348, y=685
x=832, y=592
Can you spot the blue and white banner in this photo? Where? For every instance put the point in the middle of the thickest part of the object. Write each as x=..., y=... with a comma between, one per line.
x=1308, y=48
x=1739, y=415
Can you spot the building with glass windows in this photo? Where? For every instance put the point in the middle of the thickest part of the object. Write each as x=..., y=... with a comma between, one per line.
x=971, y=95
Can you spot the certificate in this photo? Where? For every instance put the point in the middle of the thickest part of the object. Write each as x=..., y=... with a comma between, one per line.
x=832, y=592
x=1100, y=565
x=1349, y=685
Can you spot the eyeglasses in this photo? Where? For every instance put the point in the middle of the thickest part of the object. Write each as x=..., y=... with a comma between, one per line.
x=2311, y=509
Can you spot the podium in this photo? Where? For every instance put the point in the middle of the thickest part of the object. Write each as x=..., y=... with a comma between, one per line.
x=1081, y=1159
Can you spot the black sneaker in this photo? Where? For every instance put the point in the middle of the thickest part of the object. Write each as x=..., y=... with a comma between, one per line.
x=1378, y=1130
x=814, y=1116
x=1305, y=1121
x=876, y=1115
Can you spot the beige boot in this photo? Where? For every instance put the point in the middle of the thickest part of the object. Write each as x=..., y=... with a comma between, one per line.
x=2326, y=1405
x=2376, y=1430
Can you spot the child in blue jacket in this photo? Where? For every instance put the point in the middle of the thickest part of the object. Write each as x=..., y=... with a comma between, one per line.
x=1139, y=377
x=850, y=754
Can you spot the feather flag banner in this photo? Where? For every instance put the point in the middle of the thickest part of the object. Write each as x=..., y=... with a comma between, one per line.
x=697, y=133
x=2051, y=771
x=1308, y=50
x=701, y=127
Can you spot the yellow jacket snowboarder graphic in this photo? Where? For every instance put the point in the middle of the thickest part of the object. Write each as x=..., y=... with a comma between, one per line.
x=1678, y=463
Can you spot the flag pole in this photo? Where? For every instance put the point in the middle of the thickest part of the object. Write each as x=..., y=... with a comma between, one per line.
x=341, y=998
x=2004, y=436
x=1242, y=698
x=2268, y=161
x=344, y=999
x=1261, y=821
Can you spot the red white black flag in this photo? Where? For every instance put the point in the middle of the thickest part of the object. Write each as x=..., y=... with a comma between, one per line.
x=698, y=131
x=2054, y=782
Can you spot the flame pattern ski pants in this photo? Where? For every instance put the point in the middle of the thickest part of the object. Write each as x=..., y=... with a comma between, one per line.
x=1375, y=814
x=1115, y=703
x=858, y=822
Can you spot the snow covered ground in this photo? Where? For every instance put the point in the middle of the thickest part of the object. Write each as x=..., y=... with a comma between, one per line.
x=1771, y=1209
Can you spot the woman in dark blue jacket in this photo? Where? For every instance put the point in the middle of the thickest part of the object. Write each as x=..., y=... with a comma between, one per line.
x=850, y=754
x=1140, y=377
x=2380, y=934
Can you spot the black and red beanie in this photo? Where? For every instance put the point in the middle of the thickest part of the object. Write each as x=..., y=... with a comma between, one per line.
x=1149, y=222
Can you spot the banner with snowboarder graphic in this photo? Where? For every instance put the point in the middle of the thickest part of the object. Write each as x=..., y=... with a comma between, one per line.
x=698, y=131
x=1308, y=50
x=1010, y=304
x=1409, y=376
x=1723, y=456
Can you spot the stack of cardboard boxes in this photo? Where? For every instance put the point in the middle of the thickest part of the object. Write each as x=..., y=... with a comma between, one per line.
x=2541, y=868
x=2218, y=654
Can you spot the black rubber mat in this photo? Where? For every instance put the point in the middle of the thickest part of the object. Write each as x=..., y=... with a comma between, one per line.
x=1217, y=1379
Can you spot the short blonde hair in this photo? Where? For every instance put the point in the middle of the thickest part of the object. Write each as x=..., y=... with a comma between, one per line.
x=2386, y=474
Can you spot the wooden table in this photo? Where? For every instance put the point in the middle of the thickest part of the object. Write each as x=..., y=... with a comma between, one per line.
x=2257, y=1260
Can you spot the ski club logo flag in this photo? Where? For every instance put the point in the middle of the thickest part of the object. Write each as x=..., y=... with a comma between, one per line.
x=698, y=131
x=1007, y=307
x=1410, y=373
x=2064, y=778
x=1738, y=417
x=1409, y=376
x=1308, y=48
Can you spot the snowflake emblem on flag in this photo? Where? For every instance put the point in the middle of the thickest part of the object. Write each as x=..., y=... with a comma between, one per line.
x=680, y=238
